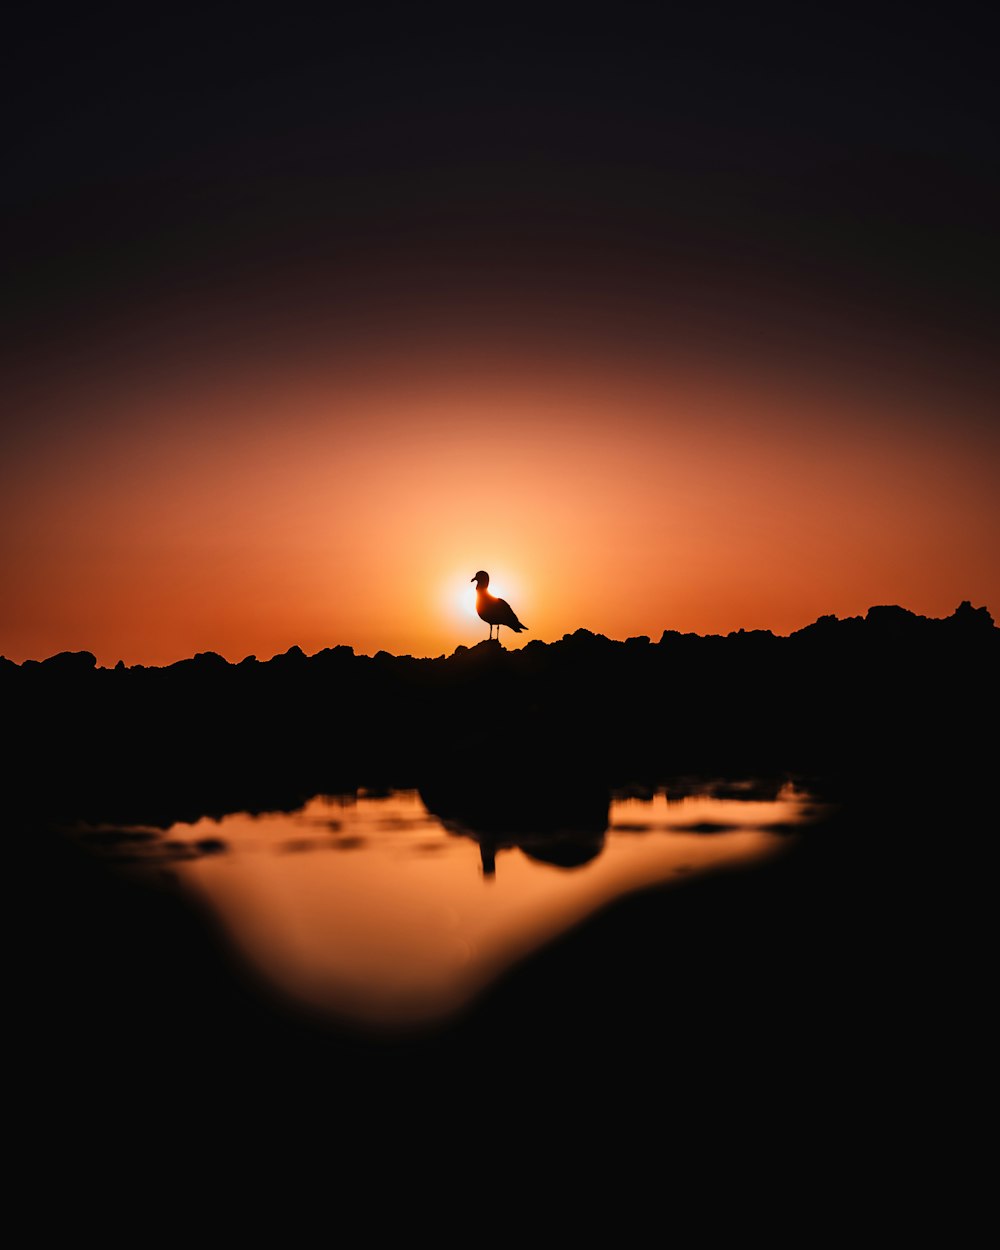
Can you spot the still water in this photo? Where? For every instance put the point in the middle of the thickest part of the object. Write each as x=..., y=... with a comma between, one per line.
x=373, y=909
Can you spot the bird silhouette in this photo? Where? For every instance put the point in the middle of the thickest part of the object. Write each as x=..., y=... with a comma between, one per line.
x=492, y=610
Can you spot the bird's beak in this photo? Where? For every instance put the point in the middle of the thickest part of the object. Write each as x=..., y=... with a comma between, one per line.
x=472, y=579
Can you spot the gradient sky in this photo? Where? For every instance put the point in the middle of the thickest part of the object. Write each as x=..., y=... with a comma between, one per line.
x=678, y=324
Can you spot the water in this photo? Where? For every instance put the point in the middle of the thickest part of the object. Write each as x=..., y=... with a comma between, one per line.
x=371, y=908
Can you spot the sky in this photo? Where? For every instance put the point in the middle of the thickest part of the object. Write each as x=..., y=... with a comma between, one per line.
x=667, y=320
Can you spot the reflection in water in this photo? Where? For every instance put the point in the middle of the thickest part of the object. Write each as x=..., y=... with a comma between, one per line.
x=375, y=909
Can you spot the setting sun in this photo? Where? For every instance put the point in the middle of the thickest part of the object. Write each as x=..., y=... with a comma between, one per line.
x=626, y=501
x=302, y=404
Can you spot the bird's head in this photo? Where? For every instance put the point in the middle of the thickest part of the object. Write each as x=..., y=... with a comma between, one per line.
x=481, y=579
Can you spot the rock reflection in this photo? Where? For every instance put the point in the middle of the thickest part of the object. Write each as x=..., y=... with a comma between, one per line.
x=560, y=825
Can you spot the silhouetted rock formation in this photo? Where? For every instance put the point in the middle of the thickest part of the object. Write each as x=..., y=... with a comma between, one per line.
x=555, y=818
x=842, y=700
x=835, y=976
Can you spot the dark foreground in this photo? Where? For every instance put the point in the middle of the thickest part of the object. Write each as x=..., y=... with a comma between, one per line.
x=830, y=1004
x=826, y=1013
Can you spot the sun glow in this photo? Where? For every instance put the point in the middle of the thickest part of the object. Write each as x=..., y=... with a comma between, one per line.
x=621, y=504
x=462, y=597
x=458, y=596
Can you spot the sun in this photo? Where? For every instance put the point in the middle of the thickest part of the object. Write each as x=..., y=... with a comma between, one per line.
x=459, y=594
x=465, y=601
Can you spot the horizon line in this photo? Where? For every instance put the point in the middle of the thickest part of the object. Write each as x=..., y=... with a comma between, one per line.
x=294, y=650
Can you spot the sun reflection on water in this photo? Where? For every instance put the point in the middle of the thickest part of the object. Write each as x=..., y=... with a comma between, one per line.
x=371, y=908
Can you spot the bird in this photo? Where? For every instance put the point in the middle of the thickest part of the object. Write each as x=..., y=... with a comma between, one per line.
x=492, y=610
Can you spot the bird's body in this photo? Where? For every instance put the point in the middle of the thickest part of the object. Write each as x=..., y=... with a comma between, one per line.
x=492, y=610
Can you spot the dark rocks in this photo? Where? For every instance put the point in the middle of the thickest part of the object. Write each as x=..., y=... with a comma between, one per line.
x=294, y=655
x=70, y=663
x=866, y=696
x=339, y=654
x=891, y=619
x=203, y=662
x=968, y=618
x=211, y=846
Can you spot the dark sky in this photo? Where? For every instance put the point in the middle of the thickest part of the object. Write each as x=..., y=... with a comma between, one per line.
x=730, y=147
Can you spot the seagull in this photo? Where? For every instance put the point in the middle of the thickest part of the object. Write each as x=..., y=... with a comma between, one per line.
x=492, y=610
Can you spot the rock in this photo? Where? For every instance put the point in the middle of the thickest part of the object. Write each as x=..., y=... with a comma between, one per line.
x=70, y=662
x=966, y=617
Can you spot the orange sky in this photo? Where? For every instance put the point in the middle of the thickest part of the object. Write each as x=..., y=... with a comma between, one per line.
x=673, y=318
x=158, y=499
